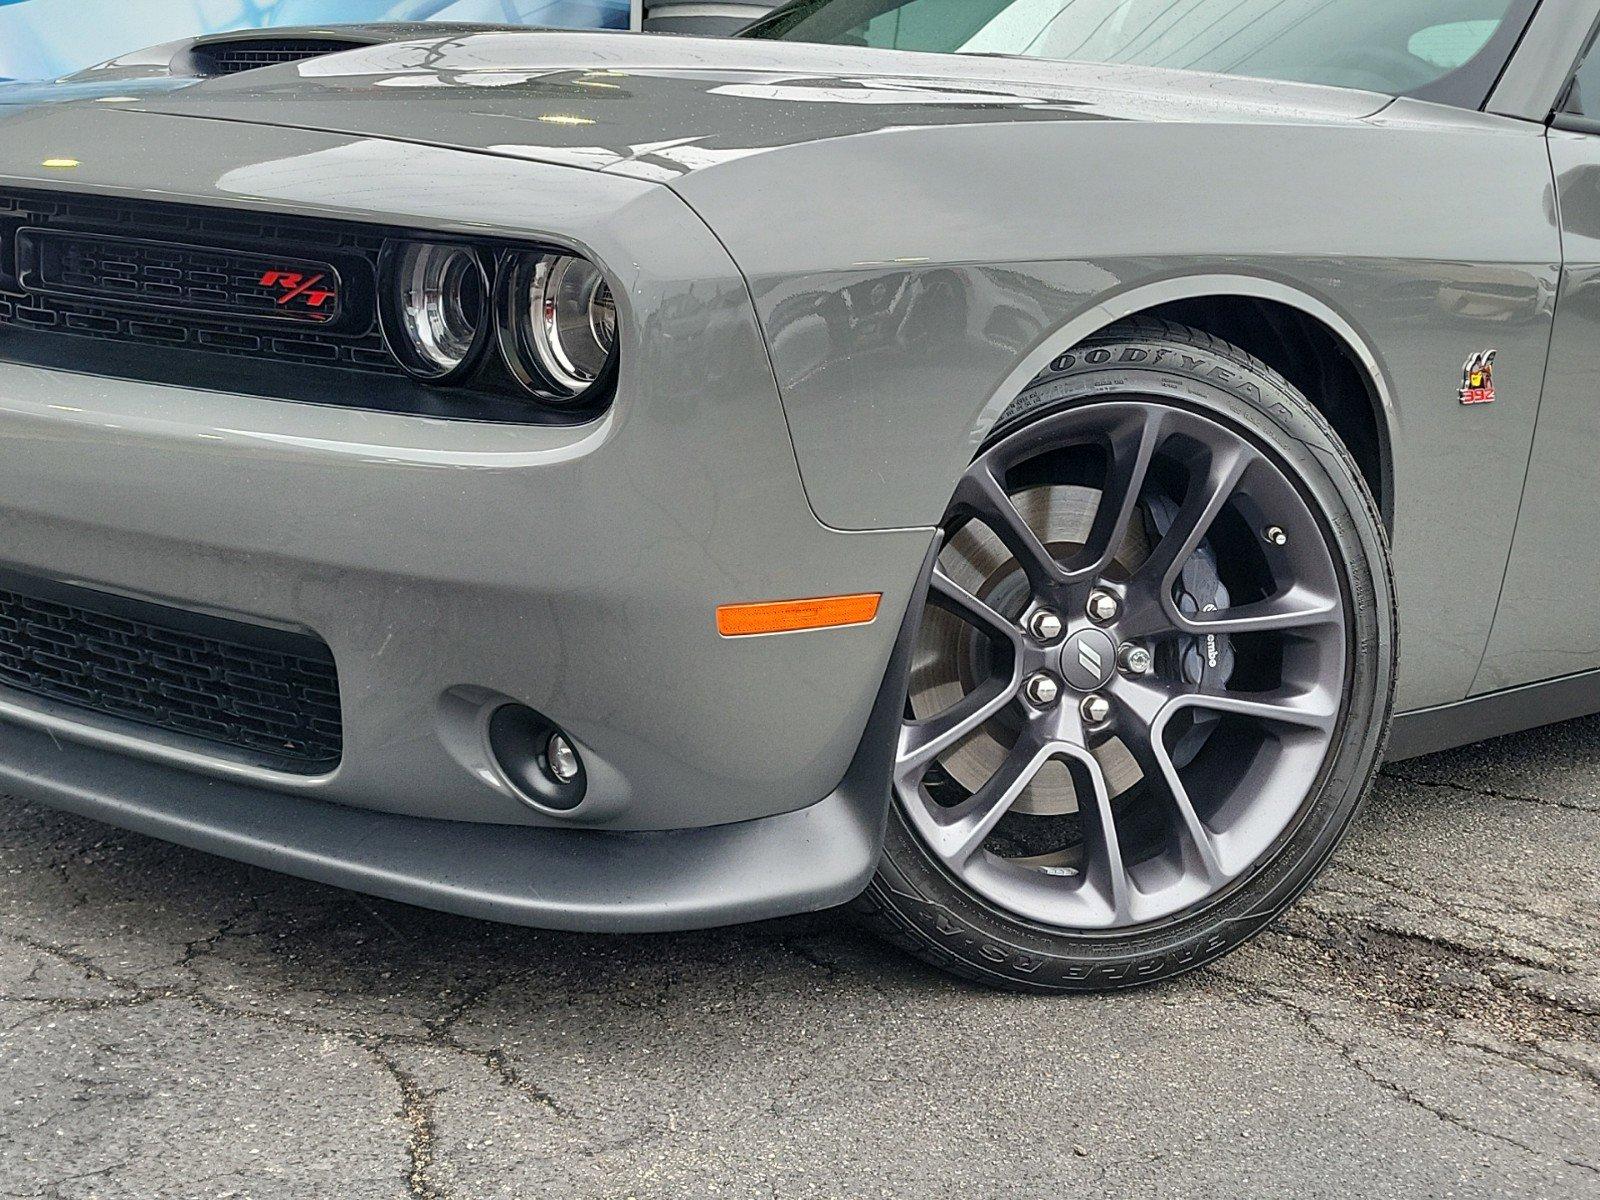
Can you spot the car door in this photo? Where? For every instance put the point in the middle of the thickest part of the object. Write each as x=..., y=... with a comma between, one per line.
x=1548, y=623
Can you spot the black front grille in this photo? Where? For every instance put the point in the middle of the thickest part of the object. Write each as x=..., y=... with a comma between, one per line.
x=163, y=293
x=247, y=54
x=146, y=274
x=270, y=694
x=159, y=275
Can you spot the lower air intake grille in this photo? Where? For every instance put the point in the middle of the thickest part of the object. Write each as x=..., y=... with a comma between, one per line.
x=271, y=694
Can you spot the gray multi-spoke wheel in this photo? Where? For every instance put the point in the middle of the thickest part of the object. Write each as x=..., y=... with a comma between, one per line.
x=1152, y=677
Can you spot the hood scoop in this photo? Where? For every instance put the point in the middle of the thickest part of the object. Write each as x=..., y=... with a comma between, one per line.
x=236, y=55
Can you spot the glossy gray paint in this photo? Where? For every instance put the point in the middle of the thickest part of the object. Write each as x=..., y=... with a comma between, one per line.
x=1550, y=605
x=1412, y=294
x=660, y=108
x=592, y=880
x=451, y=563
x=835, y=267
x=897, y=341
x=819, y=856
x=177, y=58
x=172, y=65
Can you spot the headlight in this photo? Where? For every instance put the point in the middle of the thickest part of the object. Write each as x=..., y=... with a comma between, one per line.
x=435, y=305
x=557, y=325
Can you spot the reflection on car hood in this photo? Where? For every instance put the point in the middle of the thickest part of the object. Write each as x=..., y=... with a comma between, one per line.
x=15, y=95
x=170, y=66
x=657, y=107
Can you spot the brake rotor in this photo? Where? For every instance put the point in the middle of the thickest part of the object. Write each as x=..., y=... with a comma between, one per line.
x=952, y=657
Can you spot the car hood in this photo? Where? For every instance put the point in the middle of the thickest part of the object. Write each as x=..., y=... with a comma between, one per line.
x=657, y=107
x=172, y=66
x=19, y=95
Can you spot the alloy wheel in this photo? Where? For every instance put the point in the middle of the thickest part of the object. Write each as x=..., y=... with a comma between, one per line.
x=1131, y=670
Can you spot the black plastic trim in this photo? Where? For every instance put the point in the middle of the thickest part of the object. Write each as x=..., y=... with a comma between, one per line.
x=185, y=620
x=1428, y=730
x=333, y=387
x=519, y=739
x=265, y=693
x=233, y=56
x=31, y=274
x=352, y=363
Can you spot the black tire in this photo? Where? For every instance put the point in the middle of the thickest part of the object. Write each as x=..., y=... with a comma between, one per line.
x=921, y=906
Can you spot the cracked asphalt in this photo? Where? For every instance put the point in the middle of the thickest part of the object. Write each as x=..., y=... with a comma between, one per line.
x=1426, y=1022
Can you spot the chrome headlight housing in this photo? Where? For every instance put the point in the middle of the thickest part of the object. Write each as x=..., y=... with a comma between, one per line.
x=434, y=304
x=556, y=319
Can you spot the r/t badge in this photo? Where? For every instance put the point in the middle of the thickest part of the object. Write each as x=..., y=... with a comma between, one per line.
x=1477, y=378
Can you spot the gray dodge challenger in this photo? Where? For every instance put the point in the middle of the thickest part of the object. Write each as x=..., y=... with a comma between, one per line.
x=975, y=459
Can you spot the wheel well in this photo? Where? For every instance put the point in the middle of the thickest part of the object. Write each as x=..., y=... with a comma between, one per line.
x=1313, y=358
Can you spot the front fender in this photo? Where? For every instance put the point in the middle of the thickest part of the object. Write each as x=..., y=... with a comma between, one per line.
x=936, y=271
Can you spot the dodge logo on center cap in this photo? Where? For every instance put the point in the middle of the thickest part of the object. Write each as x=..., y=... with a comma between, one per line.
x=1087, y=659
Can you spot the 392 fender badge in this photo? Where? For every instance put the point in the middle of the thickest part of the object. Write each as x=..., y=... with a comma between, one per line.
x=1477, y=378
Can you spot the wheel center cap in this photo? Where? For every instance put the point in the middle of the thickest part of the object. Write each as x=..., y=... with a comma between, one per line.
x=1088, y=658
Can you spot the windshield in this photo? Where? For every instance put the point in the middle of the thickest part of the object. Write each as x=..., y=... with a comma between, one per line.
x=1442, y=49
x=45, y=39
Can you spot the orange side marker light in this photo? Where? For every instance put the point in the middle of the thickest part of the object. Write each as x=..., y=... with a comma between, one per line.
x=789, y=616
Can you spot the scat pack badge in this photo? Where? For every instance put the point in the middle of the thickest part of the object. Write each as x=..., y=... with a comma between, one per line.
x=1477, y=378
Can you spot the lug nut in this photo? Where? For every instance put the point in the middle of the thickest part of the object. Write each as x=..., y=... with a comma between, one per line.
x=1275, y=535
x=562, y=757
x=1095, y=709
x=1134, y=660
x=1103, y=606
x=1041, y=689
x=1045, y=625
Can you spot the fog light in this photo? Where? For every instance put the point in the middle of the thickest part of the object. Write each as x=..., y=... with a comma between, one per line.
x=537, y=758
x=561, y=759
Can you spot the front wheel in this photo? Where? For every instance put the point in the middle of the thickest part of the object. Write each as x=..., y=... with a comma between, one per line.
x=1153, y=678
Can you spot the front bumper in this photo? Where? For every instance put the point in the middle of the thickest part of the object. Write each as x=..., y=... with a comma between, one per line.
x=585, y=880
x=452, y=567
x=590, y=880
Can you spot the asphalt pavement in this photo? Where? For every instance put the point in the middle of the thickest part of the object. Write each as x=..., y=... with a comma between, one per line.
x=1425, y=1022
